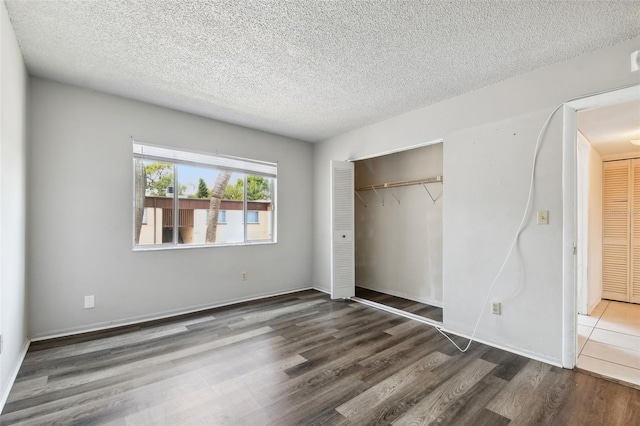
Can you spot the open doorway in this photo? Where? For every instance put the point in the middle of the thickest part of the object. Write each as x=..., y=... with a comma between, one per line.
x=608, y=241
x=398, y=231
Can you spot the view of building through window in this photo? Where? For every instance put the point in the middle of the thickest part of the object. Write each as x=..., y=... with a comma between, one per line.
x=214, y=206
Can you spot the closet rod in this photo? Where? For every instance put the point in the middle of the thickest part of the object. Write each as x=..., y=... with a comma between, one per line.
x=401, y=183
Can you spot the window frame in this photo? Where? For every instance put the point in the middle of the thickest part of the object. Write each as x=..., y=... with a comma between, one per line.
x=246, y=167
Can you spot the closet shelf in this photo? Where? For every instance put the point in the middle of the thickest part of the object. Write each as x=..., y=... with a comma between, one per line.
x=434, y=179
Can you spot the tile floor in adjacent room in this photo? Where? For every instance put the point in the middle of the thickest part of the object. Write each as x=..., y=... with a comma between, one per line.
x=609, y=341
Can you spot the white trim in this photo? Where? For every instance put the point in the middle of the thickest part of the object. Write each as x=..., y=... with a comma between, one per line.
x=167, y=314
x=394, y=151
x=513, y=350
x=619, y=96
x=405, y=296
x=321, y=290
x=172, y=246
x=615, y=157
x=583, y=147
x=569, y=205
x=14, y=375
x=399, y=312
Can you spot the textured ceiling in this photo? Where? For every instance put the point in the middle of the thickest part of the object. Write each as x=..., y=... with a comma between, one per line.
x=610, y=128
x=306, y=69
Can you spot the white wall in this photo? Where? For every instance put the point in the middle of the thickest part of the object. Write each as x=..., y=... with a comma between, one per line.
x=489, y=138
x=582, y=223
x=13, y=95
x=399, y=245
x=594, y=262
x=588, y=226
x=80, y=154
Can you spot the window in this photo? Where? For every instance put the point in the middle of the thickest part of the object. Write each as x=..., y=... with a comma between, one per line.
x=176, y=191
x=253, y=217
x=222, y=216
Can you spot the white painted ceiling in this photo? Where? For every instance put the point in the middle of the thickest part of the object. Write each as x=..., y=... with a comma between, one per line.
x=610, y=128
x=306, y=69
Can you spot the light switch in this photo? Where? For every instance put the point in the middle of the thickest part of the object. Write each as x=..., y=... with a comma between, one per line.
x=543, y=217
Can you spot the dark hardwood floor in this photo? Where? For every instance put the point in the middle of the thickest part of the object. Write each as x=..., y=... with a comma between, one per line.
x=299, y=359
x=427, y=311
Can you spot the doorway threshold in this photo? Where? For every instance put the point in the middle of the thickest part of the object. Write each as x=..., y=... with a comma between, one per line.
x=609, y=343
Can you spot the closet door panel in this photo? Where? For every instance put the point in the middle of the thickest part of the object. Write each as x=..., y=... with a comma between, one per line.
x=634, y=287
x=616, y=228
x=342, y=225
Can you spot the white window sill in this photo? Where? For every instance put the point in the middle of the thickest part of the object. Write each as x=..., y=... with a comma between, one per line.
x=159, y=247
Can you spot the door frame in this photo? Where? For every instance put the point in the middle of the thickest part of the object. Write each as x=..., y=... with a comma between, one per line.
x=394, y=151
x=583, y=193
x=569, y=210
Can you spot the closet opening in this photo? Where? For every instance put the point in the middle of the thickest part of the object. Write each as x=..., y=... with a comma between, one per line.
x=398, y=231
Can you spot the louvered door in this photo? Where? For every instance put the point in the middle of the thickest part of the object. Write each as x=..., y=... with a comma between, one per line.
x=615, y=232
x=634, y=285
x=342, y=243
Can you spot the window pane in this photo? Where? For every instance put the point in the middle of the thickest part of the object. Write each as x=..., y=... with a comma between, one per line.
x=253, y=217
x=259, y=208
x=198, y=224
x=153, y=212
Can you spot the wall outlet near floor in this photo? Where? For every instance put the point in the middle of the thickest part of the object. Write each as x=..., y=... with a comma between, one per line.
x=243, y=276
x=495, y=308
x=89, y=302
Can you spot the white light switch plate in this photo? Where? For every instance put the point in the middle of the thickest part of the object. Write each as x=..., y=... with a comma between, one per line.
x=89, y=302
x=543, y=217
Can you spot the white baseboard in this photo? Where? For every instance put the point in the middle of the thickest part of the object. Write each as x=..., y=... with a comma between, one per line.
x=530, y=355
x=322, y=290
x=426, y=301
x=14, y=374
x=161, y=315
x=442, y=328
x=593, y=306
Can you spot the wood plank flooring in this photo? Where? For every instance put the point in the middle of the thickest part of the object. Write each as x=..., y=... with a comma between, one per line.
x=299, y=359
x=424, y=310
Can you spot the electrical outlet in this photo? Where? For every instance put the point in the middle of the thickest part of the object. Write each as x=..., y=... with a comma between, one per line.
x=89, y=302
x=495, y=308
x=243, y=276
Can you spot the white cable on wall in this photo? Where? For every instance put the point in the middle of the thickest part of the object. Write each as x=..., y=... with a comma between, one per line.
x=525, y=214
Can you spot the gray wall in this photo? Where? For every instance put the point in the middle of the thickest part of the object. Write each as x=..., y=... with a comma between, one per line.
x=13, y=96
x=399, y=244
x=80, y=214
x=489, y=136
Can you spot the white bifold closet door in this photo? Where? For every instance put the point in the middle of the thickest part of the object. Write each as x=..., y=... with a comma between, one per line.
x=621, y=231
x=342, y=225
